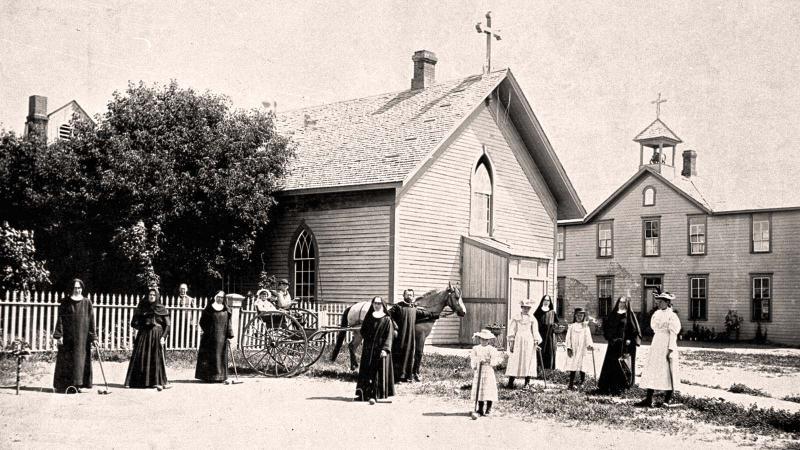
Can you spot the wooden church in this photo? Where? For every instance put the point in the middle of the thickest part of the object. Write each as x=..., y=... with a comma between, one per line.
x=443, y=182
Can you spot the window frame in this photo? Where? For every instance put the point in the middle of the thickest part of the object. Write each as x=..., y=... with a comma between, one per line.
x=561, y=294
x=649, y=187
x=561, y=244
x=604, y=309
x=644, y=236
x=689, y=234
x=483, y=159
x=309, y=302
x=610, y=223
x=703, y=317
x=752, y=233
x=769, y=298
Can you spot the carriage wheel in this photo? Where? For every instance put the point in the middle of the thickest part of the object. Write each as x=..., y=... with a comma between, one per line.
x=274, y=344
x=316, y=339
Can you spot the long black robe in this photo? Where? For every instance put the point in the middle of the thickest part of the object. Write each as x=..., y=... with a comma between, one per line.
x=547, y=321
x=405, y=315
x=375, y=374
x=617, y=329
x=75, y=324
x=212, y=356
x=147, y=367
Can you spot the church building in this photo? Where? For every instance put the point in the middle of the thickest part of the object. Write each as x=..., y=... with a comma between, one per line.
x=671, y=227
x=451, y=182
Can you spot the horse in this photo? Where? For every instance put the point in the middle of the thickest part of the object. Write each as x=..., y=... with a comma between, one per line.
x=433, y=301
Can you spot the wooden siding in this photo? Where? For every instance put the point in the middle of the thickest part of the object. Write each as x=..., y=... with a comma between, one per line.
x=485, y=289
x=352, y=233
x=433, y=212
x=727, y=263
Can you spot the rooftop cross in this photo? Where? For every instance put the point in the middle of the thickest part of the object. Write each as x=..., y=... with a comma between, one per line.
x=658, y=103
x=490, y=32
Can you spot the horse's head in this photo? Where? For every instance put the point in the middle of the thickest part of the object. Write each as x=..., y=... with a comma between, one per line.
x=454, y=300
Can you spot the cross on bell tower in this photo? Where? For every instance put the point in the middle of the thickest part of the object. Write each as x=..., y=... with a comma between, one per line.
x=490, y=33
x=658, y=103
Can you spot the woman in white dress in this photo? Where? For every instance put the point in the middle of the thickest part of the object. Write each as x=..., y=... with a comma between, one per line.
x=523, y=339
x=579, y=341
x=661, y=371
x=483, y=358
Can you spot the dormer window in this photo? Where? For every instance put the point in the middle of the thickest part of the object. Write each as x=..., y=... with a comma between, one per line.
x=649, y=196
x=482, y=193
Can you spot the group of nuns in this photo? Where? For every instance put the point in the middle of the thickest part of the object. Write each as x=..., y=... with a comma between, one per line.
x=75, y=334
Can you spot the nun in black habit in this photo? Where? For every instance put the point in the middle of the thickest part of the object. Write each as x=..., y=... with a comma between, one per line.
x=621, y=330
x=74, y=334
x=212, y=356
x=147, y=368
x=376, y=375
x=547, y=318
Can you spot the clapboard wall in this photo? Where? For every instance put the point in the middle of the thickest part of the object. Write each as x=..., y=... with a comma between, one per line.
x=353, y=236
x=728, y=262
x=433, y=210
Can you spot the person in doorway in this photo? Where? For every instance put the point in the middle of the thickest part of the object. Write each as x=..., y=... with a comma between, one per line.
x=661, y=370
x=579, y=341
x=546, y=317
x=74, y=335
x=375, y=374
x=212, y=356
x=621, y=330
x=483, y=358
x=523, y=340
x=147, y=368
x=406, y=314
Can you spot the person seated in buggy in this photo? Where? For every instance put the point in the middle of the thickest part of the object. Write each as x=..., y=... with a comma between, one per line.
x=267, y=302
x=263, y=303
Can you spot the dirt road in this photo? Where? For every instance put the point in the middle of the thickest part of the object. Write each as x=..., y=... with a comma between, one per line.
x=278, y=413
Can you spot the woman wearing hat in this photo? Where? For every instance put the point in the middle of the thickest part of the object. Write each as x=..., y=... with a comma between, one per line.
x=281, y=297
x=578, y=341
x=212, y=356
x=523, y=338
x=483, y=358
x=661, y=370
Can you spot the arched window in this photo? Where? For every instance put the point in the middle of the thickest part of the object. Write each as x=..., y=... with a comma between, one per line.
x=482, y=193
x=304, y=267
x=649, y=196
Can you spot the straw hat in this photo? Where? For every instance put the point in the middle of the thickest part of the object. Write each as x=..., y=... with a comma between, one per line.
x=526, y=303
x=664, y=296
x=484, y=334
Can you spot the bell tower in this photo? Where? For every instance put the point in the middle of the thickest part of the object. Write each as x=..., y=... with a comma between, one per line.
x=658, y=137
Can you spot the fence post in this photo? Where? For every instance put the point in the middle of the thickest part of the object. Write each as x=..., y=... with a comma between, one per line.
x=235, y=305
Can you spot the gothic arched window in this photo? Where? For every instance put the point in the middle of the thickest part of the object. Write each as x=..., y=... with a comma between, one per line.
x=482, y=196
x=304, y=267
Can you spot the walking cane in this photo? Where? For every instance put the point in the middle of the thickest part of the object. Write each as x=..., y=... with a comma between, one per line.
x=100, y=360
x=541, y=363
x=474, y=413
x=384, y=382
x=164, y=355
x=235, y=370
x=594, y=367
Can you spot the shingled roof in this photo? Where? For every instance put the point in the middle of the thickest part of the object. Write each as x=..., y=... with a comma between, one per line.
x=386, y=139
x=657, y=130
x=377, y=139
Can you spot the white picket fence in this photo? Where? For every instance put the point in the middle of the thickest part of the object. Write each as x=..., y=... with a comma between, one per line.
x=33, y=319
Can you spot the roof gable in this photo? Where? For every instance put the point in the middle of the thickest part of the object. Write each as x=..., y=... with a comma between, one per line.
x=655, y=131
x=75, y=107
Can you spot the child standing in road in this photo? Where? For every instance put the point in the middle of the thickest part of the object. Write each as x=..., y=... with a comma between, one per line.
x=579, y=340
x=483, y=358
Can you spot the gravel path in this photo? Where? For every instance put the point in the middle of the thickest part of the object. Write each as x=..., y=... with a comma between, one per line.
x=281, y=413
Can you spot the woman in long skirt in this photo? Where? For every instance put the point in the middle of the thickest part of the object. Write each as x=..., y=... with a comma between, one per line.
x=375, y=375
x=147, y=368
x=547, y=319
x=523, y=338
x=661, y=372
x=74, y=334
x=482, y=359
x=212, y=356
x=621, y=330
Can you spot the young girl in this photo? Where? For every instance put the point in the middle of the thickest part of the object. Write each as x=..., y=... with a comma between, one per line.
x=579, y=340
x=483, y=358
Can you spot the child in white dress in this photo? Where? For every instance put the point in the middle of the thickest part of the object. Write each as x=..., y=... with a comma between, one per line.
x=483, y=358
x=579, y=341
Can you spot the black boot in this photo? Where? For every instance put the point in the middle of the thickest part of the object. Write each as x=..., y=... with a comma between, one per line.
x=571, y=381
x=583, y=378
x=480, y=408
x=511, y=382
x=668, y=398
x=527, y=380
x=647, y=402
x=488, y=408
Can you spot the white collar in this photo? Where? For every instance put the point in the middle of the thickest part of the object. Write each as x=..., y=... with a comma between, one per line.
x=217, y=306
x=622, y=311
x=378, y=314
x=77, y=299
x=545, y=308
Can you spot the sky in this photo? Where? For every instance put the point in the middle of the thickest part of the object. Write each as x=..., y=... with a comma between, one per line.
x=590, y=69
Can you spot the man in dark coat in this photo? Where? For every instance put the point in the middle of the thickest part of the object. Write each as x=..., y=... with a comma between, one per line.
x=405, y=314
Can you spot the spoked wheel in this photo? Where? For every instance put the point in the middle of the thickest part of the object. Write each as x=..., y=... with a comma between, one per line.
x=274, y=344
x=316, y=339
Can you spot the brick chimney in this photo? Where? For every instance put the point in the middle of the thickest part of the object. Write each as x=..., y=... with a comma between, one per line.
x=36, y=122
x=689, y=163
x=424, y=69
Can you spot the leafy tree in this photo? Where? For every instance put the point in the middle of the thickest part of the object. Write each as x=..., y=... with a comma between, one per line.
x=21, y=270
x=169, y=182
